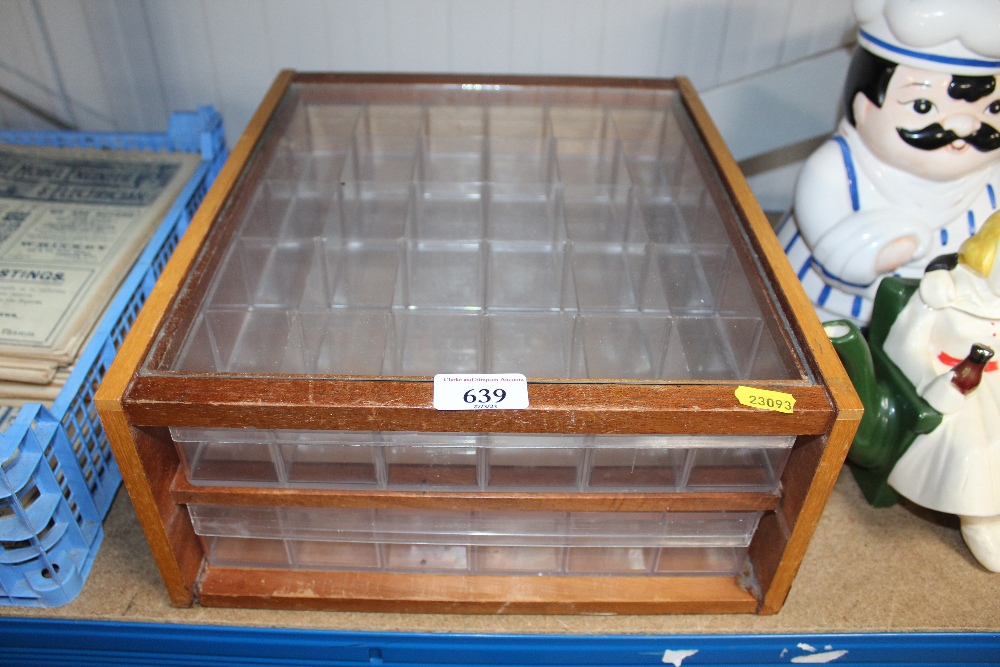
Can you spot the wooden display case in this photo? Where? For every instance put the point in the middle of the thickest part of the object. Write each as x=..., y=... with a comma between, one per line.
x=619, y=168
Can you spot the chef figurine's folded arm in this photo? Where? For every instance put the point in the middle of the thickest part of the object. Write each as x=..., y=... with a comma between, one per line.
x=868, y=244
x=851, y=244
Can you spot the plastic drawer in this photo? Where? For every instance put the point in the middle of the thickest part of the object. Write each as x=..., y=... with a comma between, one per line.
x=484, y=461
x=477, y=542
x=58, y=477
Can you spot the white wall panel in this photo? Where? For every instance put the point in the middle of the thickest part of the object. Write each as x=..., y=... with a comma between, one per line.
x=127, y=64
x=633, y=38
x=25, y=68
x=359, y=36
x=482, y=35
x=77, y=62
x=298, y=34
x=15, y=115
x=179, y=53
x=815, y=26
x=527, y=36
x=121, y=41
x=789, y=105
x=241, y=58
x=694, y=40
x=754, y=36
x=418, y=36
x=183, y=53
x=570, y=35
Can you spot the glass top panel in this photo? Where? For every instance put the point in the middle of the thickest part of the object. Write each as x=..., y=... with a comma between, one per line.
x=562, y=232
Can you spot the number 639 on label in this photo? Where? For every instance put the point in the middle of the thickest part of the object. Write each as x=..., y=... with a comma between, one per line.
x=480, y=391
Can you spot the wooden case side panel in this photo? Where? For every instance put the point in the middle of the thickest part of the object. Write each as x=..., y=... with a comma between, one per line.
x=146, y=458
x=782, y=537
x=793, y=524
x=147, y=465
x=452, y=593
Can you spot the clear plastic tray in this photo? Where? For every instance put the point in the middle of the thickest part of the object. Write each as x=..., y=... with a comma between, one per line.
x=542, y=543
x=513, y=230
x=458, y=461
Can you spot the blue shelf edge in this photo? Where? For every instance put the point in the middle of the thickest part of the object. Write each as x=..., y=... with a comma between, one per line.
x=27, y=641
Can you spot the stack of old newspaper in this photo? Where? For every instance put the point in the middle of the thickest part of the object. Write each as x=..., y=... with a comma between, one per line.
x=72, y=223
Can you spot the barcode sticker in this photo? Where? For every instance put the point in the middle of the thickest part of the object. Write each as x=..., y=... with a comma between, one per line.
x=765, y=399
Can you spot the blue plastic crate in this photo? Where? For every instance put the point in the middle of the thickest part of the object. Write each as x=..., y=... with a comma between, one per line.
x=57, y=473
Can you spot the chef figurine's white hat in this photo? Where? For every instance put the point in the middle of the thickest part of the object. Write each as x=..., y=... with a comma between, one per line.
x=954, y=36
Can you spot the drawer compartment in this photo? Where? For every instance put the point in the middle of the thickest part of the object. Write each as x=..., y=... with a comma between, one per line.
x=498, y=461
x=476, y=542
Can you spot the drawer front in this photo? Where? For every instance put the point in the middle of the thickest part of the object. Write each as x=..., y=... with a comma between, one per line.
x=485, y=462
x=480, y=542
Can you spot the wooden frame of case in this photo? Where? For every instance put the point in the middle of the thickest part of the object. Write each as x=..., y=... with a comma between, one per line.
x=136, y=409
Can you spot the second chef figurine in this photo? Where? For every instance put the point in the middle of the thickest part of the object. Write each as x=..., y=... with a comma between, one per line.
x=931, y=390
x=943, y=341
x=914, y=168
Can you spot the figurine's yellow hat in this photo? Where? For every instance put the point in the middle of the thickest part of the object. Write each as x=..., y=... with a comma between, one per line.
x=954, y=36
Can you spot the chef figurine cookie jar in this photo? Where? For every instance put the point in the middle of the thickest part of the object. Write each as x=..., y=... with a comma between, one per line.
x=911, y=177
x=914, y=167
